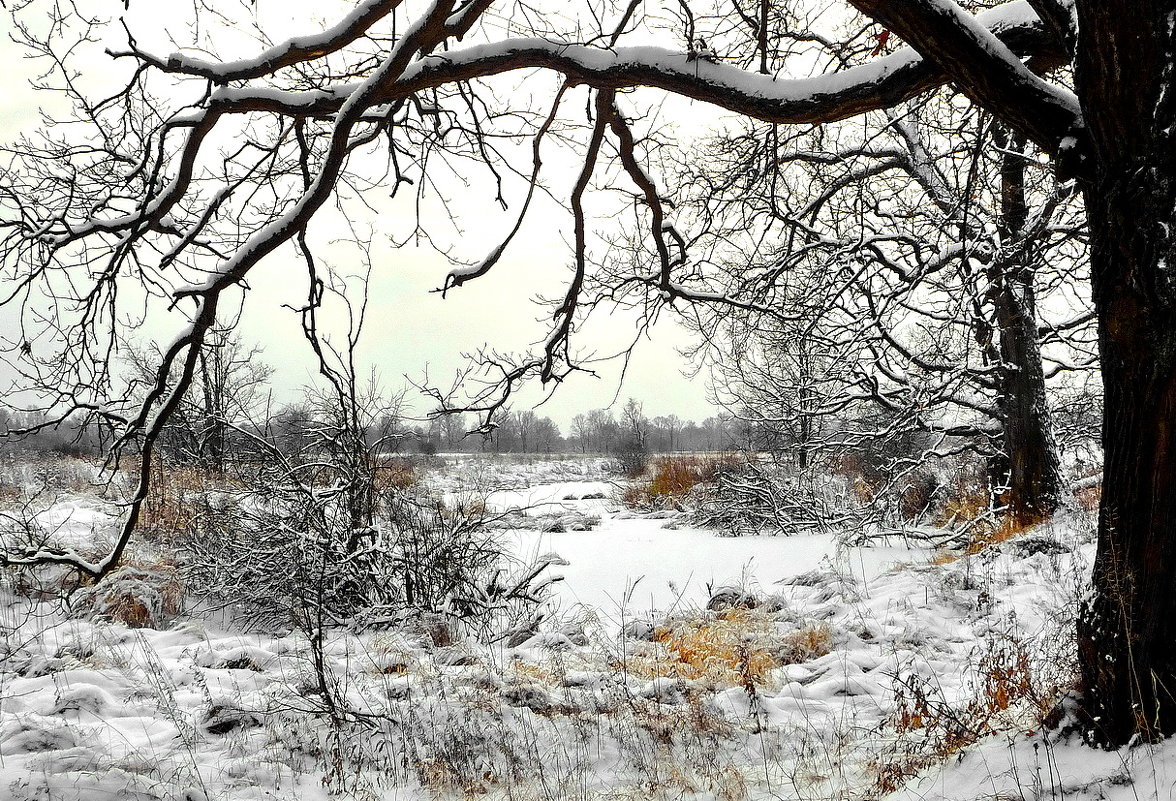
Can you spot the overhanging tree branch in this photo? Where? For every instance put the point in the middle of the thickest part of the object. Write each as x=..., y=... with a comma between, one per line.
x=984, y=67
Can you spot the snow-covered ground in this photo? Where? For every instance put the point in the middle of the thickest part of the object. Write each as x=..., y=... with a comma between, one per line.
x=854, y=674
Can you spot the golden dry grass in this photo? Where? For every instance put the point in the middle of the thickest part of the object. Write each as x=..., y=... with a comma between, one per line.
x=805, y=644
x=394, y=473
x=737, y=647
x=1010, y=694
x=176, y=498
x=674, y=477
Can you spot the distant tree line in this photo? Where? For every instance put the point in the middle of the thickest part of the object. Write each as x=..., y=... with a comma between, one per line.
x=599, y=431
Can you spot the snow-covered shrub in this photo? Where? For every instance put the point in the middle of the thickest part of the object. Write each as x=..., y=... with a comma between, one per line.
x=632, y=460
x=139, y=594
x=292, y=559
x=755, y=498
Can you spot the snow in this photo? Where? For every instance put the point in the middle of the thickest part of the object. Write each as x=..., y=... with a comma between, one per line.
x=586, y=707
x=363, y=15
x=652, y=569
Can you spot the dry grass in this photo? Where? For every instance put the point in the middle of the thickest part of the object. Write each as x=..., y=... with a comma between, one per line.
x=944, y=557
x=805, y=644
x=674, y=477
x=538, y=674
x=863, y=479
x=967, y=501
x=737, y=647
x=141, y=593
x=177, y=498
x=986, y=535
x=970, y=505
x=397, y=473
x=11, y=496
x=1010, y=694
x=1089, y=497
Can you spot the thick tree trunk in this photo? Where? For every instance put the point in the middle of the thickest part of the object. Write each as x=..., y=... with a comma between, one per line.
x=1031, y=465
x=1127, y=631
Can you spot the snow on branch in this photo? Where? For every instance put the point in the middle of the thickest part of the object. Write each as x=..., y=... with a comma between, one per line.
x=882, y=83
x=985, y=68
x=294, y=51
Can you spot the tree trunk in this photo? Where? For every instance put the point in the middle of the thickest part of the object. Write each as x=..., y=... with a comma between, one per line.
x=1127, y=630
x=1030, y=466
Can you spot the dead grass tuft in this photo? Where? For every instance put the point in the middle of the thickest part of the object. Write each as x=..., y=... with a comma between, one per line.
x=805, y=644
x=674, y=477
x=733, y=648
x=139, y=594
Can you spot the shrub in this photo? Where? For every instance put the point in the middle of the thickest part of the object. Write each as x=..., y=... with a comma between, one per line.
x=918, y=496
x=675, y=478
x=752, y=498
x=293, y=559
x=139, y=594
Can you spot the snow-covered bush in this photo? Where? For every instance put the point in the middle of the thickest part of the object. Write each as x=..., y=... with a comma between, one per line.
x=755, y=498
x=291, y=558
x=139, y=594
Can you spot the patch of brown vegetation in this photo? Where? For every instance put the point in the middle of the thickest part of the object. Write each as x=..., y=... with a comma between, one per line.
x=806, y=644
x=1010, y=694
x=177, y=498
x=141, y=593
x=736, y=647
x=394, y=472
x=674, y=477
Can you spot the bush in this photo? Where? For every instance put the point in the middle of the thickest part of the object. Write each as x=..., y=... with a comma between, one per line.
x=675, y=478
x=139, y=594
x=1014, y=688
x=292, y=559
x=753, y=498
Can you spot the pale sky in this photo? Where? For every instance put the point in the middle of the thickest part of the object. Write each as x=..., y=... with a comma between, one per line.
x=411, y=329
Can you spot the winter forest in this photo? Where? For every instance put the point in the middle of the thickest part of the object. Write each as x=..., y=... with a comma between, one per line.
x=309, y=490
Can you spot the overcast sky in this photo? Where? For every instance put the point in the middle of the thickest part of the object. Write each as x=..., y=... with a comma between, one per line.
x=411, y=329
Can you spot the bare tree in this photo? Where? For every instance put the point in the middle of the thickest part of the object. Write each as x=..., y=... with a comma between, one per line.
x=151, y=194
x=582, y=431
x=900, y=272
x=635, y=424
x=228, y=391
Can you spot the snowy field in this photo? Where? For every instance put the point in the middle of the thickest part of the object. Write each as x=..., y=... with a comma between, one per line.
x=842, y=673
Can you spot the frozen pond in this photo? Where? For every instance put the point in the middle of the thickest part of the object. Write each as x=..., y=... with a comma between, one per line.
x=638, y=564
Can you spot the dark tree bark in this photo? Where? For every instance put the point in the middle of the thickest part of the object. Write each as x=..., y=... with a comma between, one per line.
x=1030, y=464
x=1127, y=632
